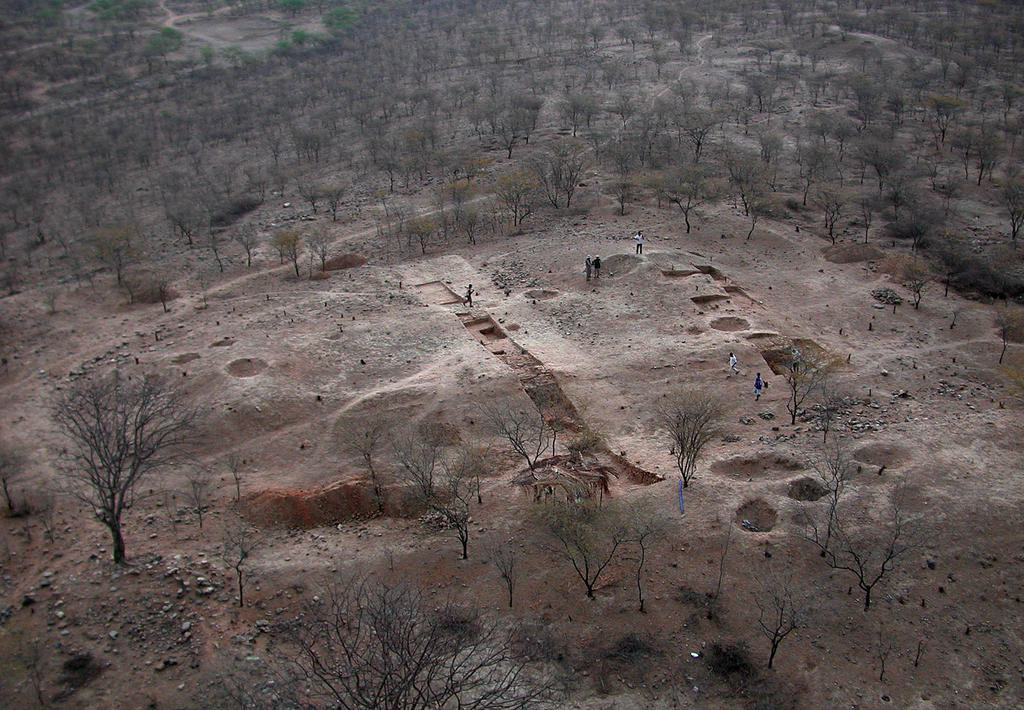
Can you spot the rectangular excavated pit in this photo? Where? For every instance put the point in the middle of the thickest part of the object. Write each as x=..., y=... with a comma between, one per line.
x=678, y=273
x=779, y=357
x=485, y=330
x=709, y=298
x=437, y=293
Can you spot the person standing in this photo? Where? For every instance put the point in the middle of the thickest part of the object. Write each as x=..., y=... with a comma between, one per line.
x=469, y=295
x=732, y=363
x=587, y=266
x=597, y=267
x=639, y=237
x=758, y=384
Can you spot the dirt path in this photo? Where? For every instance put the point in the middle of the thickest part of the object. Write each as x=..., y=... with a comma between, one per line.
x=174, y=20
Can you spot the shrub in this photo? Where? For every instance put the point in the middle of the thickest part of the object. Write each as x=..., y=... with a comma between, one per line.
x=730, y=659
x=231, y=212
x=630, y=649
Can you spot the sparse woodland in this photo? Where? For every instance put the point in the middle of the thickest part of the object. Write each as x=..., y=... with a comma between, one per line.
x=373, y=537
x=128, y=142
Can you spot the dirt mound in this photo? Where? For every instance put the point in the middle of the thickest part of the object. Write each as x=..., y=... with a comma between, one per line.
x=620, y=263
x=184, y=358
x=755, y=465
x=729, y=323
x=806, y=489
x=756, y=516
x=882, y=453
x=344, y=261
x=540, y=294
x=223, y=343
x=852, y=253
x=350, y=499
x=246, y=367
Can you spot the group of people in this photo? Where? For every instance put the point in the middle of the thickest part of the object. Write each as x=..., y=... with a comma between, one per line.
x=592, y=265
x=759, y=384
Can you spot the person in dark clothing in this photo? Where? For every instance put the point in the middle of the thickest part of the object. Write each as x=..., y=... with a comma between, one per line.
x=597, y=267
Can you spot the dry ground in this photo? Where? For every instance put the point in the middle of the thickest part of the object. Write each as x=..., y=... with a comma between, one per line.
x=282, y=365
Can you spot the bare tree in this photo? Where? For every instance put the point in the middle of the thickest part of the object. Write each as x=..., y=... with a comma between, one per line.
x=335, y=195
x=418, y=457
x=319, y=243
x=884, y=646
x=456, y=487
x=506, y=561
x=758, y=207
x=916, y=275
x=44, y=505
x=11, y=465
x=30, y=656
x=310, y=190
x=941, y=114
x=199, y=492
x=723, y=557
x=834, y=468
x=691, y=419
x=829, y=407
x=120, y=431
x=871, y=551
x=804, y=373
x=558, y=171
x=238, y=543
x=115, y=245
x=366, y=439
x=214, y=240
x=247, y=238
x=831, y=200
x=687, y=187
x=747, y=176
x=867, y=205
x=235, y=465
x=644, y=527
x=1010, y=322
x=527, y=432
x=371, y=646
x=1013, y=199
x=623, y=188
x=586, y=537
x=781, y=610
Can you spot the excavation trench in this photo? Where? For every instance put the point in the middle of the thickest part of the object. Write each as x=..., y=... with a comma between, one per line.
x=354, y=498
x=541, y=386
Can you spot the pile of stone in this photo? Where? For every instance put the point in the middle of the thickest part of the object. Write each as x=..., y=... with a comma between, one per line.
x=887, y=296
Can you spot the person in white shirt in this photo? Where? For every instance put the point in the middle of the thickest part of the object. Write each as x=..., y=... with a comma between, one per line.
x=639, y=237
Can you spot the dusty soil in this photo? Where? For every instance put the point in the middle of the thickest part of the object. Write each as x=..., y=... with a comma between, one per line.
x=283, y=368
